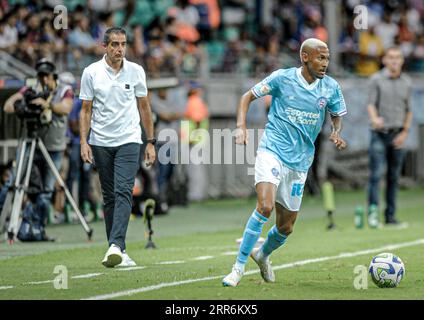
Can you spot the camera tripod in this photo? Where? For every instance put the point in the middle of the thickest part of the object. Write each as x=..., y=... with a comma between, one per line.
x=15, y=196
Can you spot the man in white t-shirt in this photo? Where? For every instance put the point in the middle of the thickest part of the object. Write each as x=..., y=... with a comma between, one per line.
x=114, y=95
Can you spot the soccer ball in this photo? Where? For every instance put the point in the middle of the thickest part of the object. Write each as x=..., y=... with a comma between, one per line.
x=386, y=270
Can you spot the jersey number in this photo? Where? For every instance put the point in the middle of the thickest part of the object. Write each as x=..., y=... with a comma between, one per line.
x=297, y=190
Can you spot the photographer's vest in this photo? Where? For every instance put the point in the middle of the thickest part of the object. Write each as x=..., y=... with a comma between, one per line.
x=54, y=136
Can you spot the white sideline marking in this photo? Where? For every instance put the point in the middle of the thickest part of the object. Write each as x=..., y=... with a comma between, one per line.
x=230, y=253
x=283, y=266
x=6, y=287
x=83, y=276
x=171, y=262
x=88, y=275
x=39, y=282
x=130, y=268
x=203, y=258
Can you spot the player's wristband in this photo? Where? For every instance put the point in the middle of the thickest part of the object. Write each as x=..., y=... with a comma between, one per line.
x=334, y=130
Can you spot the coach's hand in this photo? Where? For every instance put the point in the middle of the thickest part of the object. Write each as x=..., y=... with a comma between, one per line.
x=241, y=136
x=338, y=141
x=149, y=154
x=86, y=153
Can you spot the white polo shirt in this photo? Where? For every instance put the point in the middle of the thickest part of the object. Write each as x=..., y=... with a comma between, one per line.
x=115, y=119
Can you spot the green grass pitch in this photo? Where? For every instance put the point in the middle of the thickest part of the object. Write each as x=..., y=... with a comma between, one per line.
x=196, y=246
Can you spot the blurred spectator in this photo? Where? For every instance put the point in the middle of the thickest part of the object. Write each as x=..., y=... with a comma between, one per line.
x=21, y=13
x=405, y=36
x=390, y=117
x=32, y=21
x=370, y=52
x=197, y=114
x=105, y=21
x=181, y=30
x=387, y=31
x=247, y=49
x=5, y=181
x=80, y=36
x=5, y=174
x=48, y=40
x=284, y=20
x=8, y=32
x=24, y=51
x=167, y=118
x=184, y=12
x=418, y=54
x=106, y=6
x=266, y=56
x=78, y=171
x=82, y=43
x=159, y=54
x=232, y=53
x=197, y=110
x=313, y=28
x=138, y=45
x=348, y=47
x=209, y=16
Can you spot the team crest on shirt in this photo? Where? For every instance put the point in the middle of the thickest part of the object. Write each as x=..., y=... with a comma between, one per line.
x=265, y=89
x=322, y=102
x=275, y=172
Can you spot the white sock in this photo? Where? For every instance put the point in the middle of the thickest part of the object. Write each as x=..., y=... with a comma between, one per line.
x=239, y=266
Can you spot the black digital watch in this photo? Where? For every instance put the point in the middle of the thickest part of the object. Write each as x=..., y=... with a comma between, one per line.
x=152, y=141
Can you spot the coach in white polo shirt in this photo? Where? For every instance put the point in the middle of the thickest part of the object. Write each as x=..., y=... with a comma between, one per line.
x=114, y=95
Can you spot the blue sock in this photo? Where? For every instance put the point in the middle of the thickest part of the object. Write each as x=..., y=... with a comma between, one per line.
x=273, y=241
x=251, y=234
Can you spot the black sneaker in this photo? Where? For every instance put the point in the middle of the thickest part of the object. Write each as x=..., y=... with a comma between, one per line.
x=45, y=237
x=392, y=221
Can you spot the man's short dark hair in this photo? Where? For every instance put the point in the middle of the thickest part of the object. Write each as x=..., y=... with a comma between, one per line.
x=114, y=30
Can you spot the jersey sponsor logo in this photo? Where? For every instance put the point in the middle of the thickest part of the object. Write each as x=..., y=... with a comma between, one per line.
x=302, y=117
x=322, y=102
x=275, y=172
x=297, y=189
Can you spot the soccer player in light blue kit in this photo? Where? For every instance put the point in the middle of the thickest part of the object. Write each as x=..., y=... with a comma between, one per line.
x=300, y=98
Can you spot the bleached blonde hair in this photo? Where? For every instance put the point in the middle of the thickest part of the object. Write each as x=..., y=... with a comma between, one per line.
x=311, y=43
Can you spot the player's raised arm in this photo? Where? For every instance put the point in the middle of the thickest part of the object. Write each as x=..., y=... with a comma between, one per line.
x=243, y=107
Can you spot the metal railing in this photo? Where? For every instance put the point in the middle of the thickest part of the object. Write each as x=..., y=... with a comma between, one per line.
x=14, y=67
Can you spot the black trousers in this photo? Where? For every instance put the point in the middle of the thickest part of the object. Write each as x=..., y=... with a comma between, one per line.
x=117, y=167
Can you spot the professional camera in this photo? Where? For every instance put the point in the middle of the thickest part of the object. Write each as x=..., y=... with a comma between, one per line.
x=24, y=109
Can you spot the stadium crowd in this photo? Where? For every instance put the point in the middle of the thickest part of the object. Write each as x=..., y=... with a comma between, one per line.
x=172, y=37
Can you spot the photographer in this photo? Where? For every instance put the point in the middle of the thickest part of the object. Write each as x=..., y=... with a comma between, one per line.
x=50, y=108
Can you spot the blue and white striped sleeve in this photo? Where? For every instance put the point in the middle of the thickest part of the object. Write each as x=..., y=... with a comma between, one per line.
x=267, y=86
x=337, y=105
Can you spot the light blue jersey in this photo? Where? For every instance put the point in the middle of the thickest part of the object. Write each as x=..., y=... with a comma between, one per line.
x=297, y=114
